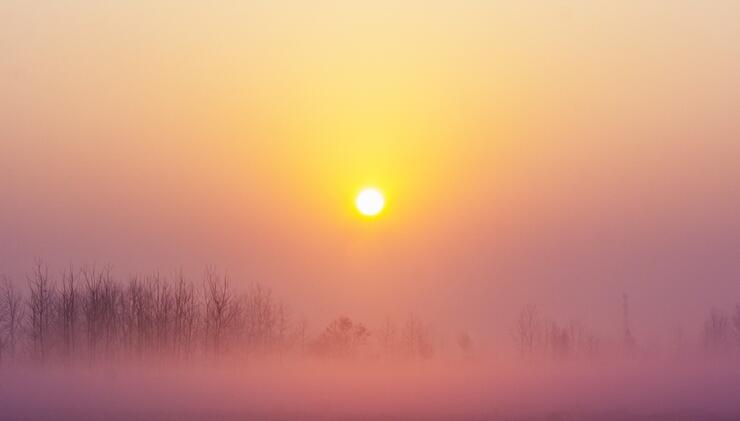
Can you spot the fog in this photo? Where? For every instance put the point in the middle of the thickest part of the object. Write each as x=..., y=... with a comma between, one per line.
x=88, y=344
x=179, y=238
x=615, y=390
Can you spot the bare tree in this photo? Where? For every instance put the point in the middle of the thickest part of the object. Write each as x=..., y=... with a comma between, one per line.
x=584, y=342
x=11, y=303
x=717, y=331
x=260, y=317
x=558, y=341
x=68, y=312
x=415, y=339
x=282, y=324
x=92, y=307
x=528, y=330
x=41, y=307
x=388, y=337
x=102, y=302
x=185, y=317
x=110, y=313
x=138, y=315
x=222, y=309
x=163, y=313
x=341, y=339
x=300, y=335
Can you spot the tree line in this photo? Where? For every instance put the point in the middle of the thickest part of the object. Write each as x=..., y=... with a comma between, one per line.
x=87, y=314
x=537, y=336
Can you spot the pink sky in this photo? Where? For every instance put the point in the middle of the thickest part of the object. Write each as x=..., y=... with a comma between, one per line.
x=560, y=154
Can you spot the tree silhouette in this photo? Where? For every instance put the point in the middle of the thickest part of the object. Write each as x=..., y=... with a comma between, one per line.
x=342, y=338
x=717, y=332
x=528, y=330
x=12, y=314
x=222, y=309
x=41, y=307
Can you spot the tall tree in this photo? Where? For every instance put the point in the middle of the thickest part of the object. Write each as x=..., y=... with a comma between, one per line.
x=41, y=307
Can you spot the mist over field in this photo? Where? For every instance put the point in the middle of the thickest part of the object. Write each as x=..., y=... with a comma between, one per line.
x=87, y=345
x=325, y=209
x=645, y=390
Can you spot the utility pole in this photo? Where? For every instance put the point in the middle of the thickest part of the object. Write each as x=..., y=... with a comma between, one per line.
x=629, y=340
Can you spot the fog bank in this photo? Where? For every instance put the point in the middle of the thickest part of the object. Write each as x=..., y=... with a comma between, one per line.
x=626, y=390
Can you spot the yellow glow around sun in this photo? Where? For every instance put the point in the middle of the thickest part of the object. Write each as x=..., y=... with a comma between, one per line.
x=370, y=201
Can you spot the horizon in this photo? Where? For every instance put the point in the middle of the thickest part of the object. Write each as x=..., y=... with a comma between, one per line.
x=560, y=155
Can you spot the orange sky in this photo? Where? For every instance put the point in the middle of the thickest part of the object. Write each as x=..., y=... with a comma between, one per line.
x=559, y=153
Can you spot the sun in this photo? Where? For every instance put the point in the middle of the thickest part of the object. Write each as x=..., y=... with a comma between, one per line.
x=370, y=201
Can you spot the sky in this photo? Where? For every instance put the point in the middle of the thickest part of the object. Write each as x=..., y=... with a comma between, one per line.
x=559, y=153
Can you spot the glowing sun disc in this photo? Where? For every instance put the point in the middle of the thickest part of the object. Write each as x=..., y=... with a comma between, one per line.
x=370, y=202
